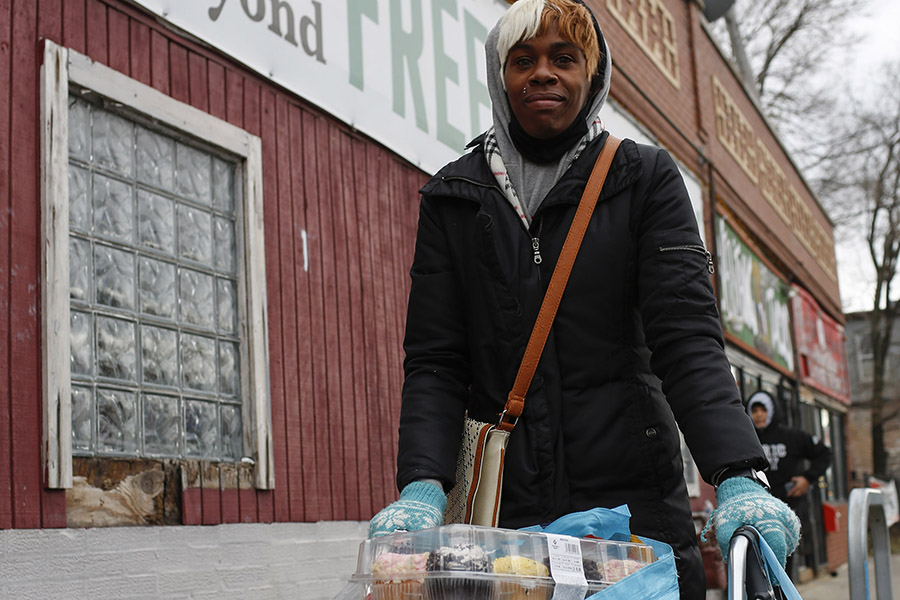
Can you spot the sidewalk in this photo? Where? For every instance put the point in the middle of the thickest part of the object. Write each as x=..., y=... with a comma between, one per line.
x=837, y=587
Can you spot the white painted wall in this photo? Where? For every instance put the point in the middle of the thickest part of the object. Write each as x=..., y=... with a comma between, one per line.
x=296, y=561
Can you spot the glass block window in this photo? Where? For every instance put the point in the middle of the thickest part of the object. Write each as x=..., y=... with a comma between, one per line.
x=155, y=349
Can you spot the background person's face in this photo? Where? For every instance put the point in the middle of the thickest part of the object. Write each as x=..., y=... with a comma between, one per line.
x=760, y=414
x=553, y=74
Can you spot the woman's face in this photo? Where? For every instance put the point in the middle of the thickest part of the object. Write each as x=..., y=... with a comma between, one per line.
x=546, y=83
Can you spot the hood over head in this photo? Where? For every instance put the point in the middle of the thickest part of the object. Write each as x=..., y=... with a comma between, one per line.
x=519, y=21
x=765, y=399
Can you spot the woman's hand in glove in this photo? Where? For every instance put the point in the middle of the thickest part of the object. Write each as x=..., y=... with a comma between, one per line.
x=421, y=505
x=743, y=501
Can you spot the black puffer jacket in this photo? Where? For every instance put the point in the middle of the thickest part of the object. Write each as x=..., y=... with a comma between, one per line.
x=598, y=428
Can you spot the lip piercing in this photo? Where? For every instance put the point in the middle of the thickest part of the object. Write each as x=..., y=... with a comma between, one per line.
x=524, y=90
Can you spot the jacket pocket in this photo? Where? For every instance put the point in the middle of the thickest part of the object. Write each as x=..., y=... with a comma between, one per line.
x=692, y=248
x=675, y=271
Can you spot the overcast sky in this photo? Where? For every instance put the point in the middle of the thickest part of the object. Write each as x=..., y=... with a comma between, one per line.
x=881, y=28
x=881, y=42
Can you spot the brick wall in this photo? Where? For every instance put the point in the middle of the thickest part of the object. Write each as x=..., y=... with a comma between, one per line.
x=309, y=561
x=859, y=438
x=836, y=541
x=859, y=432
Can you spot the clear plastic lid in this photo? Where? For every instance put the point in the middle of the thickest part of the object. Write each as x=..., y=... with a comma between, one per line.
x=484, y=553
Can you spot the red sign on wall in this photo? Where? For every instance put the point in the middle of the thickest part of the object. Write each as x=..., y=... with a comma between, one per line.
x=820, y=347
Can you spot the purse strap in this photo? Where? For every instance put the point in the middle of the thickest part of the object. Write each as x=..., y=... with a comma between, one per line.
x=515, y=402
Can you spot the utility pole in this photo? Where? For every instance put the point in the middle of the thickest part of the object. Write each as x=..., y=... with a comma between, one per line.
x=740, y=54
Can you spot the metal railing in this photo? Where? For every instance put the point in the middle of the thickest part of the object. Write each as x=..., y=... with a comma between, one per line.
x=867, y=517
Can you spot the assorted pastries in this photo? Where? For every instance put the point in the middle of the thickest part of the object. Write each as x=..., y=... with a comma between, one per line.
x=617, y=570
x=447, y=561
x=399, y=575
x=467, y=571
x=519, y=588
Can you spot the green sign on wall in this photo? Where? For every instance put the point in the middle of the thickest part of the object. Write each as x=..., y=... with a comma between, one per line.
x=754, y=301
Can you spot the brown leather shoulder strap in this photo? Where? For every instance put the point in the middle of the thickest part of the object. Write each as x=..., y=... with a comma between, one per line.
x=515, y=402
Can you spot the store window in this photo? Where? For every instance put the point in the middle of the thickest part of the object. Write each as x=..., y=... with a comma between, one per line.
x=833, y=436
x=154, y=287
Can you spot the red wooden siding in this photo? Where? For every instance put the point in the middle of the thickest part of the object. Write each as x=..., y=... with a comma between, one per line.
x=335, y=330
x=5, y=207
x=24, y=254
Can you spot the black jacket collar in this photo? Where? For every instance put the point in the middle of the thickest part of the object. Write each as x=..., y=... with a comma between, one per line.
x=470, y=178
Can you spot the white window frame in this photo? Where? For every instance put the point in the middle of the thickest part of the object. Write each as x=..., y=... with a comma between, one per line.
x=61, y=67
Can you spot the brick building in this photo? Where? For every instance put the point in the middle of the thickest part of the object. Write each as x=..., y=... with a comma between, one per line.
x=859, y=361
x=207, y=213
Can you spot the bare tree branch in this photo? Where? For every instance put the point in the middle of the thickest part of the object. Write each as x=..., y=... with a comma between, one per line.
x=864, y=174
x=788, y=44
x=777, y=44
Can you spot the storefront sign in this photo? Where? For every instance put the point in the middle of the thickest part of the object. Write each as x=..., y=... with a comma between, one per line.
x=409, y=73
x=734, y=132
x=754, y=301
x=652, y=27
x=820, y=347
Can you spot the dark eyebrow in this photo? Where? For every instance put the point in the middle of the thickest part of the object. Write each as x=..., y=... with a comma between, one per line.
x=555, y=47
x=564, y=44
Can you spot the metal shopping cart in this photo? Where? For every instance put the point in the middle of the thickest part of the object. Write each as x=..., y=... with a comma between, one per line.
x=753, y=571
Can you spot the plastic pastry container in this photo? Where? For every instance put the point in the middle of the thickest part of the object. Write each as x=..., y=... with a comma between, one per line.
x=467, y=562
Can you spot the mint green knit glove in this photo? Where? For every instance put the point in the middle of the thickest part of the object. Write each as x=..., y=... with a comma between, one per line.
x=421, y=505
x=743, y=501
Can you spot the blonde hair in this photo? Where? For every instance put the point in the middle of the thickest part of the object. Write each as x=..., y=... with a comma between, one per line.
x=527, y=19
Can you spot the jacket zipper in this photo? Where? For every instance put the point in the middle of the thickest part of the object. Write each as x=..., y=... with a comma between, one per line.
x=536, y=244
x=691, y=248
x=535, y=241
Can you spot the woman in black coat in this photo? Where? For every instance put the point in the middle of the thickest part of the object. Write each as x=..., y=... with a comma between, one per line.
x=636, y=345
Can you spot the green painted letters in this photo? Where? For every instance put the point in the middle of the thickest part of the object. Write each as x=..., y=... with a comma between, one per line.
x=444, y=68
x=356, y=9
x=406, y=47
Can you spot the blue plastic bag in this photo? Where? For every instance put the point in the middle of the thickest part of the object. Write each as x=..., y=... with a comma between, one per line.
x=656, y=581
x=604, y=523
x=777, y=574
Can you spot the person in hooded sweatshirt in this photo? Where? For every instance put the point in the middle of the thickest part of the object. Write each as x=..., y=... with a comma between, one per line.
x=796, y=458
x=636, y=345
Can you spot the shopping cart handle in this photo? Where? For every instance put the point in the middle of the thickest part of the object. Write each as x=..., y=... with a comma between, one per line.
x=746, y=569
